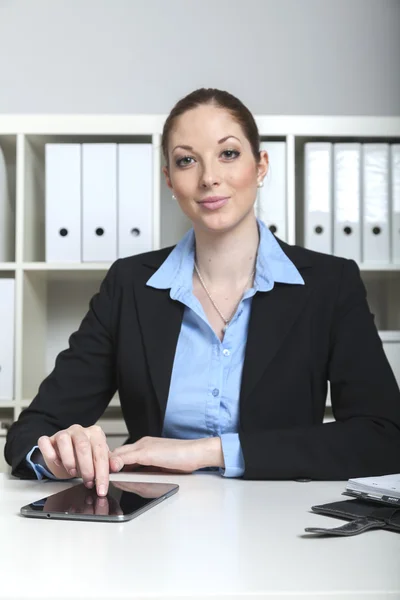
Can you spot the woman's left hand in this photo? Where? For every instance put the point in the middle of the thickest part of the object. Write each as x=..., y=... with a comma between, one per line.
x=169, y=455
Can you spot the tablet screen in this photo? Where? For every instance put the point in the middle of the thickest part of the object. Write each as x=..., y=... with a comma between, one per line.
x=123, y=498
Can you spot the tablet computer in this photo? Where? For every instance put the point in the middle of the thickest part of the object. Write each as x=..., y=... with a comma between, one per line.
x=125, y=501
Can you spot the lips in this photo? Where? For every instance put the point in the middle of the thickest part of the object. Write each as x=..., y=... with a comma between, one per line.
x=214, y=202
x=213, y=199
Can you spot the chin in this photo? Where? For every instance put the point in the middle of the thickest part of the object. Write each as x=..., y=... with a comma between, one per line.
x=217, y=223
x=221, y=221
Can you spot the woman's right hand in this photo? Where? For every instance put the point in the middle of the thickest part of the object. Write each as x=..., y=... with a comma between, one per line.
x=79, y=452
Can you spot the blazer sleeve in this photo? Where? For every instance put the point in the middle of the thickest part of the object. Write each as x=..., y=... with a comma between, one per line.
x=80, y=386
x=364, y=440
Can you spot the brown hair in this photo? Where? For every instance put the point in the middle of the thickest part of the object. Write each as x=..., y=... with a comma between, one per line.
x=220, y=99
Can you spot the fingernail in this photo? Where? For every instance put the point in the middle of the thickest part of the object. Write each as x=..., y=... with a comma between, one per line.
x=102, y=490
x=73, y=472
x=89, y=484
x=57, y=462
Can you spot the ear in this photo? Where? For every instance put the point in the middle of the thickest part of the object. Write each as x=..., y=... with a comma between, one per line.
x=263, y=165
x=167, y=177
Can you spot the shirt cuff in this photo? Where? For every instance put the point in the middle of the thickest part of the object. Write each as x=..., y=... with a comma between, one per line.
x=233, y=455
x=40, y=471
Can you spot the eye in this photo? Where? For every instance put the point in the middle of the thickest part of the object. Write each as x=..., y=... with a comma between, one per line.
x=236, y=152
x=180, y=162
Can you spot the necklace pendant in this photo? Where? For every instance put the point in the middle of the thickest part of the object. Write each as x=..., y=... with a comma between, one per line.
x=225, y=328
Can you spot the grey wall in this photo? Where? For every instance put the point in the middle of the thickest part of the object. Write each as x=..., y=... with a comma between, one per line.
x=129, y=56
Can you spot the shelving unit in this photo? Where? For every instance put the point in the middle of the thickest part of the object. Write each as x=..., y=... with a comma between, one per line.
x=47, y=311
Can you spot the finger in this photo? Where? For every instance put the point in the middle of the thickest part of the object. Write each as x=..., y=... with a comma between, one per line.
x=83, y=453
x=136, y=457
x=48, y=451
x=100, y=452
x=64, y=447
x=115, y=464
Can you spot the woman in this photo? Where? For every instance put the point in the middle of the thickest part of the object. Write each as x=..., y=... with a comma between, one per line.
x=220, y=347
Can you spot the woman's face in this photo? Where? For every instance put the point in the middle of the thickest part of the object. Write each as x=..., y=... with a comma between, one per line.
x=219, y=162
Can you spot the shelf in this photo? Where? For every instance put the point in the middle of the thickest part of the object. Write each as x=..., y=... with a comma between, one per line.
x=147, y=124
x=43, y=266
x=52, y=298
x=72, y=272
x=389, y=336
x=24, y=403
x=377, y=267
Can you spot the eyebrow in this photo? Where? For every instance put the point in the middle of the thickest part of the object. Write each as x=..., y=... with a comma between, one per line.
x=221, y=141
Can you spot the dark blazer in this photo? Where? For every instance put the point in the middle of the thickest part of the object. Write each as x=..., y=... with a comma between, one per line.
x=299, y=337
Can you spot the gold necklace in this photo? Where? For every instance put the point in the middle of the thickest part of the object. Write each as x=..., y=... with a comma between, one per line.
x=226, y=321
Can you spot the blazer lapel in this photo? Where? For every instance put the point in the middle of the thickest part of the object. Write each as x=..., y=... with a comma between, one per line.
x=273, y=314
x=160, y=318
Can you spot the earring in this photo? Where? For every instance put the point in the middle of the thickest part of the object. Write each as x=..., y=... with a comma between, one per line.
x=260, y=183
x=174, y=197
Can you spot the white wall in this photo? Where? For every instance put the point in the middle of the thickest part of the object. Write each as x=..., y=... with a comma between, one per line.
x=129, y=56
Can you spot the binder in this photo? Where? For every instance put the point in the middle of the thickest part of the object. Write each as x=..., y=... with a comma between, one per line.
x=7, y=293
x=271, y=205
x=63, y=202
x=318, y=197
x=99, y=202
x=376, y=240
x=135, y=199
x=395, y=192
x=7, y=217
x=347, y=201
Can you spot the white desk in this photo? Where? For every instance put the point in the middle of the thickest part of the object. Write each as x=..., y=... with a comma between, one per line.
x=215, y=538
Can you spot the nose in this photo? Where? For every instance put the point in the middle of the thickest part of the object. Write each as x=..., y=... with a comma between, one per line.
x=209, y=176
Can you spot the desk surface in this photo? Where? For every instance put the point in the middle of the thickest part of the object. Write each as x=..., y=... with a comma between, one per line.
x=215, y=538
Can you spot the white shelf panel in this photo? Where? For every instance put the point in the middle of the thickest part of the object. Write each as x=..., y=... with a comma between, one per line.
x=269, y=125
x=24, y=403
x=389, y=336
x=7, y=404
x=7, y=266
x=377, y=267
x=43, y=266
x=68, y=273
x=82, y=124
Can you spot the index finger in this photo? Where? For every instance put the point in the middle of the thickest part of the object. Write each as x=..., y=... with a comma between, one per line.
x=100, y=452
